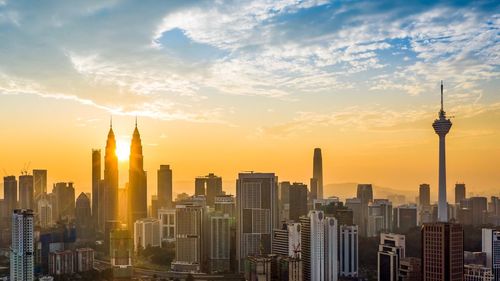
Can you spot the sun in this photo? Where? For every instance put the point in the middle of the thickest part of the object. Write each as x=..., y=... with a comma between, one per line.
x=122, y=150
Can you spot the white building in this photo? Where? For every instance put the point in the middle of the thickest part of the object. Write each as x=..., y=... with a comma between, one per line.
x=146, y=233
x=286, y=240
x=491, y=246
x=22, y=246
x=313, y=245
x=348, y=251
x=331, y=249
x=167, y=224
x=391, y=250
x=477, y=272
x=220, y=242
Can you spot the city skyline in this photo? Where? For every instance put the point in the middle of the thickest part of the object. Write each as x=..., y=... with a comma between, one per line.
x=206, y=103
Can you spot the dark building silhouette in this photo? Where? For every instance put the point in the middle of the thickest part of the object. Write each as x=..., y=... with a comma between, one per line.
x=284, y=193
x=96, y=195
x=410, y=269
x=26, y=192
x=298, y=201
x=404, y=217
x=164, y=187
x=479, y=210
x=442, y=252
x=10, y=196
x=459, y=192
x=424, y=195
x=39, y=182
x=317, y=174
x=64, y=207
x=110, y=190
x=83, y=217
x=210, y=186
x=137, y=185
x=365, y=194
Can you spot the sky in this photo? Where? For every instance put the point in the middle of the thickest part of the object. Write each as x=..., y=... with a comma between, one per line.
x=230, y=86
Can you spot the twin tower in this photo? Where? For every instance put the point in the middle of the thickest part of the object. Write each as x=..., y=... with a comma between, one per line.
x=107, y=202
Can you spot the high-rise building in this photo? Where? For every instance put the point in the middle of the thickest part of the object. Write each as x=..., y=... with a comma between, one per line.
x=121, y=253
x=61, y=262
x=210, y=186
x=287, y=240
x=10, y=196
x=348, y=259
x=318, y=172
x=491, y=246
x=44, y=212
x=225, y=204
x=410, y=269
x=313, y=246
x=442, y=252
x=219, y=245
x=459, y=192
x=83, y=217
x=382, y=208
x=22, y=260
x=479, y=206
x=84, y=259
x=189, y=248
x=167, y=224
x=64, y=206
x=96, y=179
x=442, y=126
x=284, y=193
x=297, y=201
x=164, y=187
x=26, y=192
x=146, y=233
x=313, y=195
x=110, y=190
x=365, y=195
x=390, y=252
x=137, y=186
x=258, y=268
x=331, y=249
x=477, y=272
x=354, y=204
x=257, y=214
x=39, y=182
x=424, y=195
x=405, y=217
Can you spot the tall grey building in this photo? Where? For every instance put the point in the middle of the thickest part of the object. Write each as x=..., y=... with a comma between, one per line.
x=313, y=246
x=83, y=217
x=164, y=187
x=22, y=261
x=39, y=182
x=26, y=192
x=10, y=196
x=210, y=186
x=365, y=195
x=137, y=203
x=189, y=248
x=96, y=179
x=297, y=201
x=424, y=195
x=491, y=246
x=64, y=204
x=257, y=214
x=219, y=242
x=459, y=192
x=348, y=259
x=318, y=172
x=110, y=184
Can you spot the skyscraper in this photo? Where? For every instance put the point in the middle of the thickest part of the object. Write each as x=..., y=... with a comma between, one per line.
x=189, y=237
x=64, y=206
x=83, y=217
x=348, y=248
x=442, y=252
x=331, y=249
x=26, y=192
x=424, y=195
x=287, y=240
x=10, y=196
x=297, y=201
x=44, y=212
x=164, y=187
x=210, y=186
x=146, y=233
x=313, y=246
x=405, y=217
x=318, y=172
x=110, y=189
x=137, y=185
x=257, y=214
x=390, y=252
x=491, y=246
x=22, y=262
x=442, y=126
x=459, y=192
x=96, y=179
x=365, y=195
x=39, y=182
x=219, y=242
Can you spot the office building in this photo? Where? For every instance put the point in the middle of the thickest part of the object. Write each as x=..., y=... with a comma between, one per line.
x=225, y=204
x=343, y=214
x=61, y=262
x=284, y=189
x=258, y=268
x=477, y=272
x=83, y=215
x=424, y=195
x=479, y=206
x=442, y=252
x=410, y=269
x=22, y=262
x=318, y=174
x=10, y=197
x=474, y=258
x=210, y=186
x=348, y=247
x=26, y=192
x=365, y=195
x=297, y=201
x=39, y=182
x=459, y=192
x=331, y=249
x=44, y=212
x=380, y=209
x=491, y=246
x=219, y=245
x=84, y=259
x=354, y=204
x=121, y=253
x=167, y=224
x=110, y=184
x=442, y=126
x=147, y=233
x=287, y=240
x=64, y=207
x=257, y=214
x=137, y=206
x=189, y=248
x=96, y=179
x=164, y=187
x=405, y=217
x=390, y=252
x=313, y=246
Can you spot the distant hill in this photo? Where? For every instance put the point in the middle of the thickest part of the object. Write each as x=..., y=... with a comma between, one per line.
x=348, y=190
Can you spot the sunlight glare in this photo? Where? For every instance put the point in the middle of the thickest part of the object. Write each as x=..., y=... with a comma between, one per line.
x=122, y=150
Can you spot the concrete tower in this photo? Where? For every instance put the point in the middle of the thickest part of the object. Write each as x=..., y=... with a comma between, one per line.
x=137, y=189
x=442, y=126
x=318, y=172
x=110, y=178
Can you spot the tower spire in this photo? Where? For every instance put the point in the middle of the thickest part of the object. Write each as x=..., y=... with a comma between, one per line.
x=136, y=121
x=111, y=122
x=442, y=96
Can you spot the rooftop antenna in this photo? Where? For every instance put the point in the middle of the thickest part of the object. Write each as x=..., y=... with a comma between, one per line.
x=442, y=95
x=136, y=121
x=111, y=122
